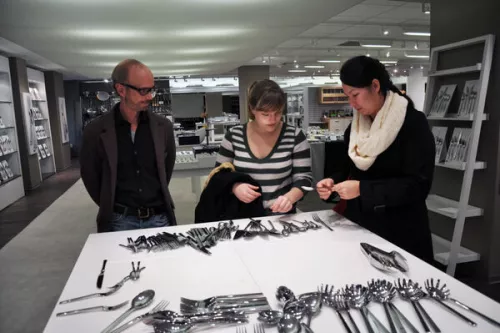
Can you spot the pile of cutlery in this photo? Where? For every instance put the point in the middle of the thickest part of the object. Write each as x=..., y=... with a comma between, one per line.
x=248, y=303
x=258, y=228
x=358, y=297
x=199, y=238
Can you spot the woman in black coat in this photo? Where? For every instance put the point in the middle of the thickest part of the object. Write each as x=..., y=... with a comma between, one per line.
x=386, y=172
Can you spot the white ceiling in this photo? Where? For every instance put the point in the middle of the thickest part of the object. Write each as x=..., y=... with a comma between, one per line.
x=363, y=23
x=173, y=37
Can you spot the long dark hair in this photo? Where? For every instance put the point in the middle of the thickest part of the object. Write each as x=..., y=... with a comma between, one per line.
x=359, y=72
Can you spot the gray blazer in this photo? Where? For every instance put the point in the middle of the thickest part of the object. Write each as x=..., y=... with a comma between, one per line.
x=99, y=158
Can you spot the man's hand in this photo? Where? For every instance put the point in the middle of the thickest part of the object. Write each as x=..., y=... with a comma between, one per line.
x=281, y=205
x=245, y=192
x=347, y=190
x=325, y=188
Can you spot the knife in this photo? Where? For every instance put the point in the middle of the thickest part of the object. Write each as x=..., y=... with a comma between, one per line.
x=101, y=275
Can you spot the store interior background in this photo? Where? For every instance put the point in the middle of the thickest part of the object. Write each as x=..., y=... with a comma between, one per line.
x=204, y=53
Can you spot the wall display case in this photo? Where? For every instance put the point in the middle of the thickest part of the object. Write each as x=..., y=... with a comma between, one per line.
x=332, y=95
x=11, y=181
x=39, y=122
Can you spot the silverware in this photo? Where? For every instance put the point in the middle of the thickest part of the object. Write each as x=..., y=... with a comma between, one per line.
x=207, y=302
x=337, y=303
x=439, y=294
x=270, y=317
x=410, y=291
x=383, y=260
x=92, y=309
x=258, y=328
x=241, y=329
x=140, y=301
x=159, y=307
x=317, y=219
x=289, y=324
x=273, y=230
x=405, y=320
x=101, y=274
x=284, y=295
x=357, y=297
x=384, y=292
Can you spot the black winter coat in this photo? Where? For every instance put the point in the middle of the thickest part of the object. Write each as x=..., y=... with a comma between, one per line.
x=393, y=190
x=218, y=203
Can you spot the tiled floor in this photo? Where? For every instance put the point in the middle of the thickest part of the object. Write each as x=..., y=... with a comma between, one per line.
x=18, y=215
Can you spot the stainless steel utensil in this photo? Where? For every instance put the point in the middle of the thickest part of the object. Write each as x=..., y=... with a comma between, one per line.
x=383, y=292
x=140, y=301
x=439, y=294
x=273, y=230
x=159, y=307
x=270, y=317
x=312, y=304
x=92, y=309
x=241, y=329
x=284, y=295
x=410, y=291
x=207, y=302
x=330, y=299
x=258, y=328
x=319, y=220
x=358, y=297
x=289, y=324
x=385, y=261
x=100, y=277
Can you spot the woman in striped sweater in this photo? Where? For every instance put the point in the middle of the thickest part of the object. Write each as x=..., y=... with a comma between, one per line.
x=274, y=154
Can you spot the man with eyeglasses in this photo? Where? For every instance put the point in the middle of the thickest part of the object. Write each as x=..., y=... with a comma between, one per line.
x=128, y=156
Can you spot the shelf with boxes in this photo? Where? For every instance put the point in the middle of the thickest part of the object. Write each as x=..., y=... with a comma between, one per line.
x=332, y=95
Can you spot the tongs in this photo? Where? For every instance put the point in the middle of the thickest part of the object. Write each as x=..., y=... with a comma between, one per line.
x=384, y=261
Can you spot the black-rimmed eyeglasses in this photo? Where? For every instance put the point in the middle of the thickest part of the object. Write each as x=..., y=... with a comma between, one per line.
x=141, y=91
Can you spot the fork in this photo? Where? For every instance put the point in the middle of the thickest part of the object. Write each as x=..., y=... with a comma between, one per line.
x=258, y=328
x=207, y=302
x=241, y=329
x=144, y=317
x=317, y=219
x=92, y=309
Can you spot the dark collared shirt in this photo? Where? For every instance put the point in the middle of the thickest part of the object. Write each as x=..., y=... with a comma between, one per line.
x=137, y=181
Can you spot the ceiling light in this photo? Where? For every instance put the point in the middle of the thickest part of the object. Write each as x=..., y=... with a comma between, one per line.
x=106, y=80
x=319, y=71
x=106, y=33
x=295, y=61
x=297, y=71
x=113, y=53
x=416, y=46
x=264, y=61
x=314, y=66
x=421, y=67
x=417, y=33
x=386, y=32
x=411, y=67
x=368, y=54
x=389, y=62
x=210, y=32
x=382, y=46
x=420, y=56
x=297, y=66
x=329, y=61
x=388, y=54
x=395, y=70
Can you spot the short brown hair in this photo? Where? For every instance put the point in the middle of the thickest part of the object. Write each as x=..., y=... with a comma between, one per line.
x=120, y=73
x=265, y=95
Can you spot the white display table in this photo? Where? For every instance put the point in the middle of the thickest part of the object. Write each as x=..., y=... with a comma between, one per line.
x=301, y=261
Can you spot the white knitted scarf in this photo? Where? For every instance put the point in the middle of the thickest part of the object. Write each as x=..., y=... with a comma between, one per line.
x=371, y=138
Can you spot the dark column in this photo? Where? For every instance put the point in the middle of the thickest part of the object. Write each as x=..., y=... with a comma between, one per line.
x=29, y=163
x=246, y=76
x=58, y=118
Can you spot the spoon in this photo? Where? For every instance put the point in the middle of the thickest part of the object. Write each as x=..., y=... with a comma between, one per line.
x=289, y=324
x=357, y=297
x=438, y=294
x=285, y=294
x=270, y=317
x=295, y=308
x=140, y=301
x=312, y=304
x=444, y=294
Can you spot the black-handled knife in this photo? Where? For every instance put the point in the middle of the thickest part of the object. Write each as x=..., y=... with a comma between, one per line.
x=101, y=275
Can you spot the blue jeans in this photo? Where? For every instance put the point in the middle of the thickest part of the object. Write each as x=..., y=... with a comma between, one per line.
x=120, y=222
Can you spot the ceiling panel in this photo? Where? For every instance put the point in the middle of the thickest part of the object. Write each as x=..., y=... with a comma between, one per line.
x=365, y=11
x=405, y=13
x=213, y=35
x=323, y=30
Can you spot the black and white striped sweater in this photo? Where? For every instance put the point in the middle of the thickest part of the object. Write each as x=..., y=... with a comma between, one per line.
x=288, y=165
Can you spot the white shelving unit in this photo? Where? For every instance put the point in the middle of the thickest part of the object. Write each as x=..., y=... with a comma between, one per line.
x=12, y=188
x=451, y=253
x=36, y=80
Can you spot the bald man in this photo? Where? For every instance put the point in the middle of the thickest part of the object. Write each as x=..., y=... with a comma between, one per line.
x=128, y=156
